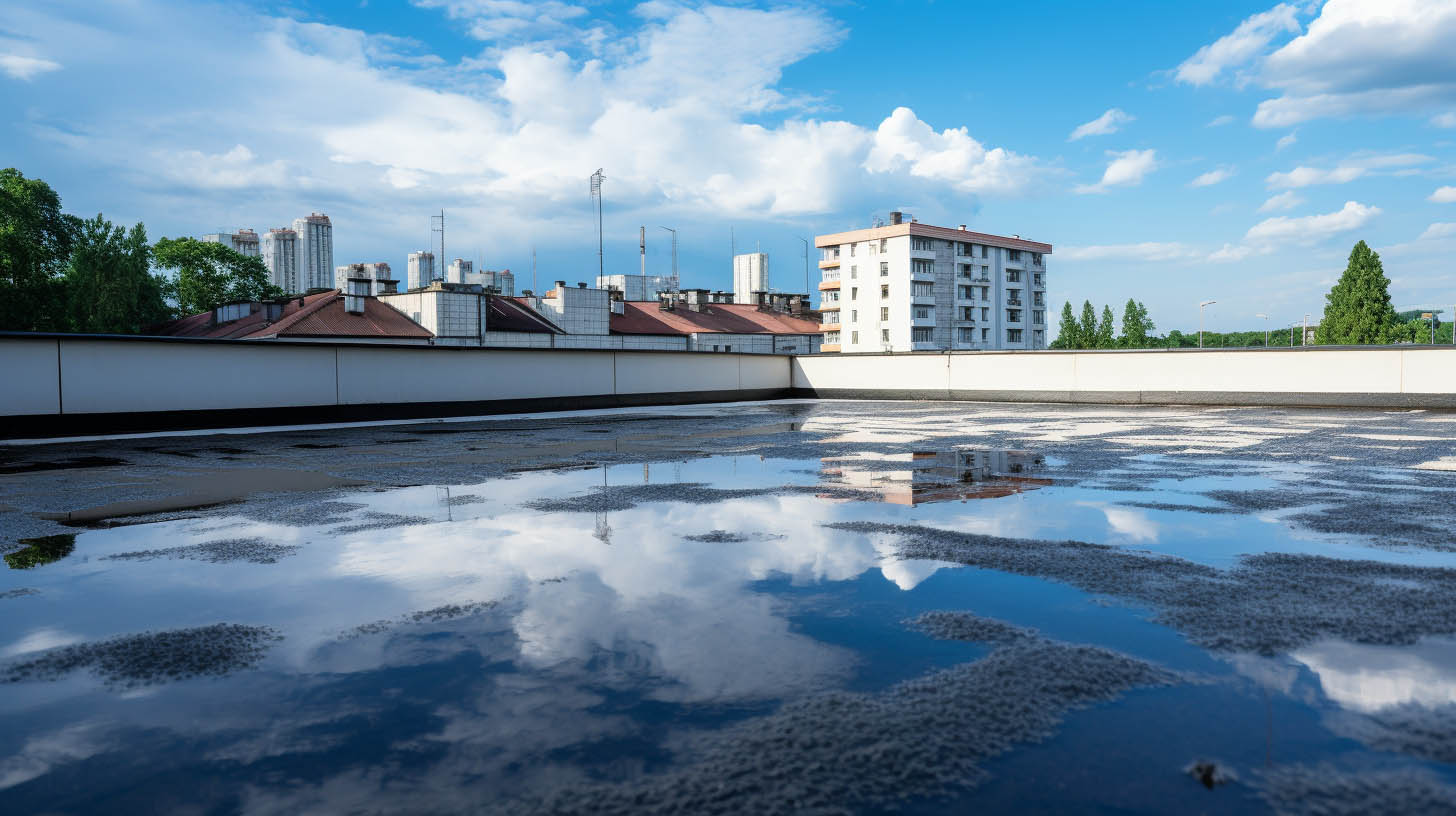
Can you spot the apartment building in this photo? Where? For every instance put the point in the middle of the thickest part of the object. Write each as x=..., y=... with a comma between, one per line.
x=280, y=255
x=750, y=276
x=420, y=269
x=244, y=241
x=907, y=286
x=315, y=249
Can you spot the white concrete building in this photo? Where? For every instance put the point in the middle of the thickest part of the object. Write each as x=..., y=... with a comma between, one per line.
x=381, y=279
x=908, y=286
x=280, y=255
x=577, y=310
x=750, y=276
x=420, y=269
x=503, y=281
x=459, y=270
x=639, y=287
x=244, y=241
x=315, y=250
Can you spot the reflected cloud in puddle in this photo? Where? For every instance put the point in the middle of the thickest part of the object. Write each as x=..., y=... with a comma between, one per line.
x=1370, y=678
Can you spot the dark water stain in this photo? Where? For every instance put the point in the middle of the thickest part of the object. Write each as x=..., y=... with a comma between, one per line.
x=72, y=463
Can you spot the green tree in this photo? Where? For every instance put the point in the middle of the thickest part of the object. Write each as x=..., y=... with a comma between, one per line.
x=1105, y=339
x=35, y=241
x=1067, y=330
x=1357, y=309
x=109, y=280
x=1087, y=328
x=1137, y=329
x=209, y=275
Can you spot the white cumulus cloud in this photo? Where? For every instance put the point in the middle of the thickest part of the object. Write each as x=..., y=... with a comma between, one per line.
x=1312, y=228
x=1286, y=200
x=1211, y=178
x=1346, y=171
x=1126, y=169
x=1220, y=121
x=1444, y=120
x=1109, y=122
x=1444, y=229
x=1286, y=140
x=1233, y=50
x=1443, y=195
x=19, y=66
x=1146, y=251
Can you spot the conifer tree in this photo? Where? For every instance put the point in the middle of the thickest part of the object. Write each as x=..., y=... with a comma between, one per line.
x=1087, y=329
x=1357, y=309
x=1067, y=330
x=1104, y=338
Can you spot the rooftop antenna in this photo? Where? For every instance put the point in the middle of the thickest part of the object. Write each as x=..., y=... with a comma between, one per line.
x=440, y=270
x=642, y=247
x=533, y=269
x=596, y=192
x=674, y=255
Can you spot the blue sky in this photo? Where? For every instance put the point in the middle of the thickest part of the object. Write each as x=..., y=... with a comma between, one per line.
x=1228, y=151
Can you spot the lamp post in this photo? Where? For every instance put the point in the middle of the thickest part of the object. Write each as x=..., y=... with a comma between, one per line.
x=1304, y=334
x=1200, y=319
x=1291, y=333
x=1266, y=328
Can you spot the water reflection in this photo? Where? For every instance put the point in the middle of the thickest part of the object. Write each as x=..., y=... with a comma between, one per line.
x=1370, y=678
x=926, y=477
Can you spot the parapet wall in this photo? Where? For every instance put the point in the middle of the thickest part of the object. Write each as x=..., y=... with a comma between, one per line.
x=1384, y=377
x=58, y=385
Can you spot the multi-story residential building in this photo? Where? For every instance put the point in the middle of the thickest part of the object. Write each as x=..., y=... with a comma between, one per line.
x=280, y=255
x=378, y=275
x=461, y=271
x=503, y=281
x=420, y=269
x=906, y=286
x=244, y=241
x=750, y=276
x=315, y=250
x=639, y=287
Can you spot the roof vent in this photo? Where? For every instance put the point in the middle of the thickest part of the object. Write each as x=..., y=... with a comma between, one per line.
x=963, y=227
x=580, y=285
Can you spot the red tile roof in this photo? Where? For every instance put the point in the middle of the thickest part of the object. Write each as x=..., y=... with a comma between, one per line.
x=317, y=315
x=646, y=317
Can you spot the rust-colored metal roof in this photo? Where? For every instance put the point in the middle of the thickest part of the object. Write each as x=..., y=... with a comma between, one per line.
x=646, y=317
x=318, y=315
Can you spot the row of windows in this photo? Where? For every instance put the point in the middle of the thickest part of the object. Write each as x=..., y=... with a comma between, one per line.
x=1038, y=316
x=919, y=244
x=923, y=334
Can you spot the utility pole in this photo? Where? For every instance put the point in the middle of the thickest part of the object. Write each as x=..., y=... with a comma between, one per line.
x=1200, y=319
x=1303, y=335
x=596, y=191
x=807, y=291
x=1266, y=328
x=642, y=249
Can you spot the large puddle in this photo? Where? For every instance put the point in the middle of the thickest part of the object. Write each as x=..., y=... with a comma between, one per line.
x=793, y=607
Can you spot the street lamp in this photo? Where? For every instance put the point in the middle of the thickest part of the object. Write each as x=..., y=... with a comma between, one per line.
x=1304, y=334
x=1200, y=319
x=1266, y=328
x=807, y=290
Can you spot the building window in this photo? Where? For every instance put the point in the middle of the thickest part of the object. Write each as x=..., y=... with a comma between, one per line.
x=985, y=335
x=830, y=317
x=1013, y=296
x=985, y=312
x=1038, y=317
x=985, y=293
x=963, y=249
x=854, y=293
x=965, y=335
x=884, y=269
x=727, y=348
x=965, y=292
x=829, y=337
x=922, y=289
x=854, y=315
x=851, y=249
x=985, y=252
x=854, y=338
x=884, y=244
x=922, y=334
x=1036, y=259
x=884, y=291
x=853, y=271
x=1036, y=338
x=1013, y=335
x=922, y=244
x=968, y=313
x=921, y=266
x=884, y=313
x=1013, y=276
x=1013, y=315
x=884, y=335
x=922, y=312
x=1013, y=254
x=831, y=296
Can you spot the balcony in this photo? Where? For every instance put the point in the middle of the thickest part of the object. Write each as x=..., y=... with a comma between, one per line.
x=923, y=321
x=828, y=347
x=1038, y=281
x=830, y=275
x=829, y=263
x=924, y=345
x=922, y=273
x=924, y=299
x=1013, y=302
x=829, y=284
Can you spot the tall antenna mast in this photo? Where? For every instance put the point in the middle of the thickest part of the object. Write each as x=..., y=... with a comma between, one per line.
x=596, y=191
x=642, y=247
x=533, y=270
x=674, y=255
x=439, y=270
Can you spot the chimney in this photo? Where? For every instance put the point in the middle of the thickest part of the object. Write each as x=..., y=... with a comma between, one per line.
x=796, y=305
x=963, y=227
x=896, y=216
x=665, y=301
x=580, y=285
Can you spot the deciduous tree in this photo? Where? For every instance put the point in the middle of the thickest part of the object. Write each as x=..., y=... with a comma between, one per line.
x=1105, y=339
x=209, y=274
x=35, y=241
x=109, y=281
x=1067, y=330
x=1087, y=328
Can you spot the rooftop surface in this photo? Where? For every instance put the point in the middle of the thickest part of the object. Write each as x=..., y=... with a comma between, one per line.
x=317, y=315
x=726, y=608
x=646, y=317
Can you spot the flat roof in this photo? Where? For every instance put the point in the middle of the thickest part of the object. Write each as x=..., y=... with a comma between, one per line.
x=928, y=231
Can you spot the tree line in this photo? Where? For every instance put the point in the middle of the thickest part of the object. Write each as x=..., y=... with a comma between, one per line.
x=1358, y=311
x=63, y=273
x=1091, y=333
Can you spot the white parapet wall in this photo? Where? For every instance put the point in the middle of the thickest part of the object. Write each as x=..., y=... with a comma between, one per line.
x=1385, y=376
x=69, y=385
